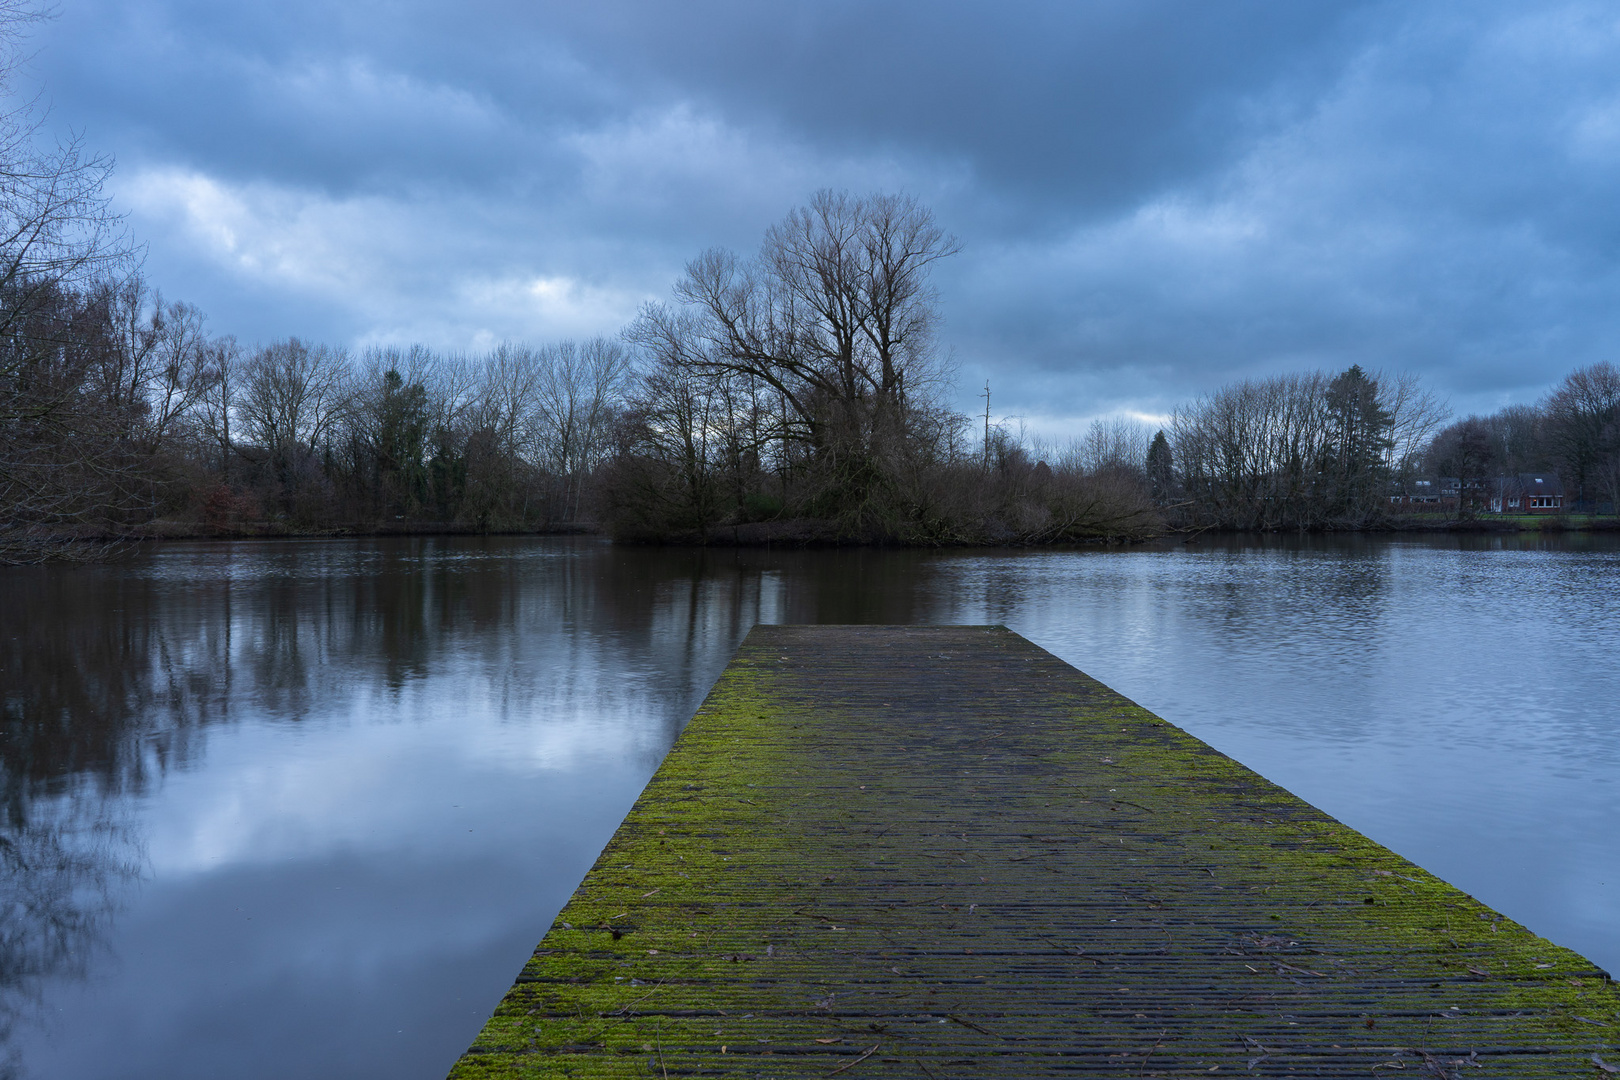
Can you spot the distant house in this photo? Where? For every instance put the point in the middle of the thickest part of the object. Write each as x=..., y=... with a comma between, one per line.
x=1421, y=493
x=1528, y=493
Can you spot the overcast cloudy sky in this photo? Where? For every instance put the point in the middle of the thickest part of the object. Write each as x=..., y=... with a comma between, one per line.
x=1153, y=198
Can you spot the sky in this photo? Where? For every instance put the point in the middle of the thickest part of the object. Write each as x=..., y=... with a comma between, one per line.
x=1153, y=198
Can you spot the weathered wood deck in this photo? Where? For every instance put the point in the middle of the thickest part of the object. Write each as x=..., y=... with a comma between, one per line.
x=942, y=852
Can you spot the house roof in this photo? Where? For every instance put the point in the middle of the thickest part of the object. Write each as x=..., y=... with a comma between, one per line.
x=1542, y=483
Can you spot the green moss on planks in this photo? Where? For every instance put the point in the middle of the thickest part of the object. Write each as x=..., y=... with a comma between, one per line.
x=940, y=851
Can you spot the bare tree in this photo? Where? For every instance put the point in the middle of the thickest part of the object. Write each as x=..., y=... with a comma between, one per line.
x=1251, y=452
x=1583, y=422
x=1302, y=450
x=56, y=228
x=294, y=393
x=1415, y=414
x=157, y=365
x=577, y=390
x=1520, y=438
x=58, y=472
x=665, y=476
x=1468, y=451
x=505, y=405
x=219, y=401
x=1113, y=444
x=834, y=320
x=292, y=398
x=503, y=430
x=1606, y=475
x=384, y=442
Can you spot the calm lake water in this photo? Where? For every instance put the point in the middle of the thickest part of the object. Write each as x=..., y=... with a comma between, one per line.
x=304, y=808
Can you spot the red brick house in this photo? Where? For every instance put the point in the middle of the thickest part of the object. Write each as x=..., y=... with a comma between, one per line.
x=1528, y=493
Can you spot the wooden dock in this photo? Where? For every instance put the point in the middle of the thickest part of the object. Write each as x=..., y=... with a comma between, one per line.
x=939, y=852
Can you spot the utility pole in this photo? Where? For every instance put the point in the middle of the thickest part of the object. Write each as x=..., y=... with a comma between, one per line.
x=986, y=396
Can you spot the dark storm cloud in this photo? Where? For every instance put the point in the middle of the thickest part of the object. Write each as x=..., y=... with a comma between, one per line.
x=1449, y=205
x=1153, y=197
x=1084, y=105
x=1078, y=106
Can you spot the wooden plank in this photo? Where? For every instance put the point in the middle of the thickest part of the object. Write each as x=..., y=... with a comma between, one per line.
x=943, y=852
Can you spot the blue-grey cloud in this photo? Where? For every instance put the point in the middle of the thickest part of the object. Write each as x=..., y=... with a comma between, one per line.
x=1154, y=197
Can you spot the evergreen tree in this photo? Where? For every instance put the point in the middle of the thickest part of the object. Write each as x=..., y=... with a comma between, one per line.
x=1361, y=435
x=402, y=436
x=1160, y=469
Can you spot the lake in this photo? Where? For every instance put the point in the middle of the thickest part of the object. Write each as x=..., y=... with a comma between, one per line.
x=304, y=808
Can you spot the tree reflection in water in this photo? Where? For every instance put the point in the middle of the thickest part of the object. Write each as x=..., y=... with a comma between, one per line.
x=79, y=734
x=64, y=863
x=112, y=675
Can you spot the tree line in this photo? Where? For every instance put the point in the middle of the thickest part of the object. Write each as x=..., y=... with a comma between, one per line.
x=1574, y=431
x=1304, y=450
x=1310, y=450
x=120, y=414
x=796, y=396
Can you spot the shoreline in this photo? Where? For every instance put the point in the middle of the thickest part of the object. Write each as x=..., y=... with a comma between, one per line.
x=809, y=535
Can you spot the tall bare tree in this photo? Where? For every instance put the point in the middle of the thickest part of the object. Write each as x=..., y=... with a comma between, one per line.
x=1250, y=453
x=293, y=396
x=1583, y=426
x=56, y=227
x=579, y=387
x=157, y=365
x=58, y=470
x=1113, y=443
x=835, y=322
x=217, y=407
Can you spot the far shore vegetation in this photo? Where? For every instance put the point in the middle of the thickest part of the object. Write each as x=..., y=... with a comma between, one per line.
x=795, y=396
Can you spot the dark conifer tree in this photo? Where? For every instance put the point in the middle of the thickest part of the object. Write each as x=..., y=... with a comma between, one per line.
x=1160, y=469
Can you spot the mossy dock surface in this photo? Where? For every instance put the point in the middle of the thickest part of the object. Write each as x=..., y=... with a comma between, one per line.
x=942, y=852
